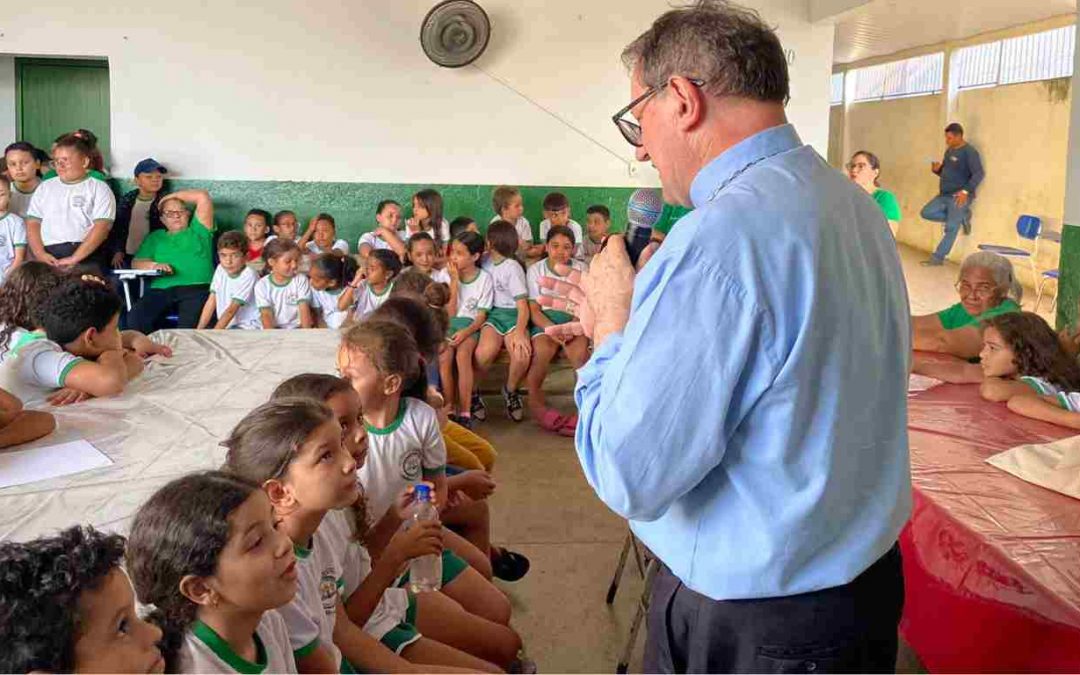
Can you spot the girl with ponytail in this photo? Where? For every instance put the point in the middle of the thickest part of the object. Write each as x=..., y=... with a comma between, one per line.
x=205, y=550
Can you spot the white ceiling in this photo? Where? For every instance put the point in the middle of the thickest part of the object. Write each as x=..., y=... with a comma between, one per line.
x=885, y=26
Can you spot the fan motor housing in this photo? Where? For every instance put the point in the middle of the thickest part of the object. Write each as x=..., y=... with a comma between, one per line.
x=455, y=33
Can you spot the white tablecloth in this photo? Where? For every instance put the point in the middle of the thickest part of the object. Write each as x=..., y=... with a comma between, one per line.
x=168, y=422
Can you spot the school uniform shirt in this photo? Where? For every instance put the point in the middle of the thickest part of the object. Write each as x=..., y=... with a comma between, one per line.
x=67, y=211
x=509, y=281
x=20, y=201
x=373, y=240
x=475, y=295
x=575, y=227
x=367, y=300
x=190, y=253
x=524, y=229
x=228, y=289
x=284, y=300
x=409, y=450
x=339, y=245
x=312, y=613
x=441, y=276
x=34, y=365
x=326, y=301
x=339, y=533
x=12, y=237
x=589, y=249
x=1070, y=400
x=541, y=269
x=204, y=651
x=444, y=232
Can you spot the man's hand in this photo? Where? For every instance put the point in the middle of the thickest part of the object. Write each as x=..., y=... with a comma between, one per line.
x=961, y=198
x=600, y=298
x=935, y=167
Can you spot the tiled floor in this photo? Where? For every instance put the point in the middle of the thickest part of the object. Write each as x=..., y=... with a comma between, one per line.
x=545, y=509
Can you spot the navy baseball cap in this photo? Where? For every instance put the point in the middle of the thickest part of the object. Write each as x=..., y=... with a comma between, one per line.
x=149, y=165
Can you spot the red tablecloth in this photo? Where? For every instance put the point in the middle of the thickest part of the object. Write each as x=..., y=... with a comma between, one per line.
x=991, y=563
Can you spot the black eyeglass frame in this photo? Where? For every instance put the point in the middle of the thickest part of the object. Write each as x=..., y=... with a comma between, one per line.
x=631, y=131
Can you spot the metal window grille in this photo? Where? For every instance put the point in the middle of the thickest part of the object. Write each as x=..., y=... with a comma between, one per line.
x=916, y=76
x=837, y=84
x=1029, y=58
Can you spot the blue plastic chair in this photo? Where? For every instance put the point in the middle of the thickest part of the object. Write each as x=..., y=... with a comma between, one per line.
x=1028, y=229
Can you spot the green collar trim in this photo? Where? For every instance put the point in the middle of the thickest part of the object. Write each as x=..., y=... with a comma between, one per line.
x=74, y=182
x=301, y=552
x=393, y=425
x=475, y=277
x=386, y=290
x=496, y=263
x=221, y=648
x=276, y=284
x=27, y=338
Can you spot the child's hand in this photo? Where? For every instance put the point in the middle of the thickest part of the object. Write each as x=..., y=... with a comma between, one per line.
x=403, y=503
x=476, y=484
x=118, y=260
x=163, y=268
x=457, y=338
x=422, y=538
x=519, y=342
x=144, y=347
x=358, y=280
x=67, y=396
x=453, y=271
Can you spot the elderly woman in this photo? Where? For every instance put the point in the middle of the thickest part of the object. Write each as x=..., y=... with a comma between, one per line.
x=987, y=287
x=864, y=169
x=184, y=254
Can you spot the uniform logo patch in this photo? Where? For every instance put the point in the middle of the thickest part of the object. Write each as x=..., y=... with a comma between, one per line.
x=410, y=466
x=78, y=201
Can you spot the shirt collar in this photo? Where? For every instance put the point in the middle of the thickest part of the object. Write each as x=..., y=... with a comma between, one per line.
x=738, y=157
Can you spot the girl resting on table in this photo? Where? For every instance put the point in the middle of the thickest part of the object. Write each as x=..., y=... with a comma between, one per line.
x=1022, y=363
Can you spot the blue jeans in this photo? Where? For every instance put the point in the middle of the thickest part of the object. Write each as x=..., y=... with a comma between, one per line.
x=943, y=209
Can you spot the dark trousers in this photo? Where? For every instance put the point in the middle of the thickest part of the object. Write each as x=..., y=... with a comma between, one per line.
x=96, y=263
x=152, y=308
x=850, y=628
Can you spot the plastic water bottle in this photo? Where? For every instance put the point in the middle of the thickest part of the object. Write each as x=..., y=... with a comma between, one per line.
x=425, y=572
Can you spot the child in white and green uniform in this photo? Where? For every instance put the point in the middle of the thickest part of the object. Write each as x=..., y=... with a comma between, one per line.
x=508, y=323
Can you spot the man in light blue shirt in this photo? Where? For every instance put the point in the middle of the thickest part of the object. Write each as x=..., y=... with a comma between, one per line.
x=746, y=408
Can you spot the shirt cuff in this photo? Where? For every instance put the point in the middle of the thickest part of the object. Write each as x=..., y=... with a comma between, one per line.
x=594, y=368
x=306, y=649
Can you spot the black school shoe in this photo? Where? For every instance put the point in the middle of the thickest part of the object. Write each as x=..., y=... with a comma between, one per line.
x=461, y=421
x=508, y=565
x=515, y=409
x=477, y=408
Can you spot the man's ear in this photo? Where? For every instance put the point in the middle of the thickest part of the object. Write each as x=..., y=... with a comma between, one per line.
x=688, y=101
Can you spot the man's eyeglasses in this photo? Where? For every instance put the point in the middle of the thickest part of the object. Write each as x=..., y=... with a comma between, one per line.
x=630, y=129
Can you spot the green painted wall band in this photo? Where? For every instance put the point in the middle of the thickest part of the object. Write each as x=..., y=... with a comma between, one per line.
x=353, y=204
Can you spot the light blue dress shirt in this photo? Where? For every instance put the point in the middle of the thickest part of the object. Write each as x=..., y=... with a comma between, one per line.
x=751, y=419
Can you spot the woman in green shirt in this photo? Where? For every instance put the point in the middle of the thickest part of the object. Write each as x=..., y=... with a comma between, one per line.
x=865, y=170
x=184, y=254
x=987, y=288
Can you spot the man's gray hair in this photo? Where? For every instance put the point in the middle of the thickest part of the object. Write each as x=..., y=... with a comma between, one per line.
x=1000, y=269
x=727, y=46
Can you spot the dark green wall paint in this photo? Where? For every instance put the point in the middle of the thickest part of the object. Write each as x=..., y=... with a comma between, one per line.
x=1069, y=283
x=353, y=204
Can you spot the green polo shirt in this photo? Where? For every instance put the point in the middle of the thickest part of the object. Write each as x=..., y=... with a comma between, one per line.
x=889, y=206
x=190, y=252
x=957, y=317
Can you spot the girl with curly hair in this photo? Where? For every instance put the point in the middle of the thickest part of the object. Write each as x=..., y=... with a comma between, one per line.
x=66, y=606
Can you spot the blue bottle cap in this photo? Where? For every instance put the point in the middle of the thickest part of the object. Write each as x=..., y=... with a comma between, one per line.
x=422, y=491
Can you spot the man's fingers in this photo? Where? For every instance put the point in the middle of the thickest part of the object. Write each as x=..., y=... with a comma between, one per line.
x=564, y=289
x=566, y=331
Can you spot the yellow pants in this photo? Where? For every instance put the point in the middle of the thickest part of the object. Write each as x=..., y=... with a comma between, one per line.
x=466, y=450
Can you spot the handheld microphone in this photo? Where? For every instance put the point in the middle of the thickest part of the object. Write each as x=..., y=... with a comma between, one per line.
x=642, y=213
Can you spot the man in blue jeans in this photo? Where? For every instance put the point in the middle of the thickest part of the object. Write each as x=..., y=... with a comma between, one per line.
x=961, y=171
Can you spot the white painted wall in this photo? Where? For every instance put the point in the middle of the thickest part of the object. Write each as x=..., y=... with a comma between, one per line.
x=7, y=100
x=324, y=90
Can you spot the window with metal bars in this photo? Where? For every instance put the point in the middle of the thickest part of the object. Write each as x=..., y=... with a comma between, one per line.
x=917, y=76
x=1028, y=58
x=837, y=87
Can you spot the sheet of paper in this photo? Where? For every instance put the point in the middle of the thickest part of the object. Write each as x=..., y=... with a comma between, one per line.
x=19, y=467
x=921, y=383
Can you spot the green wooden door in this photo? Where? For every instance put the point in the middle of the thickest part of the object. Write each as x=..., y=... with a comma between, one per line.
x=56, y=96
